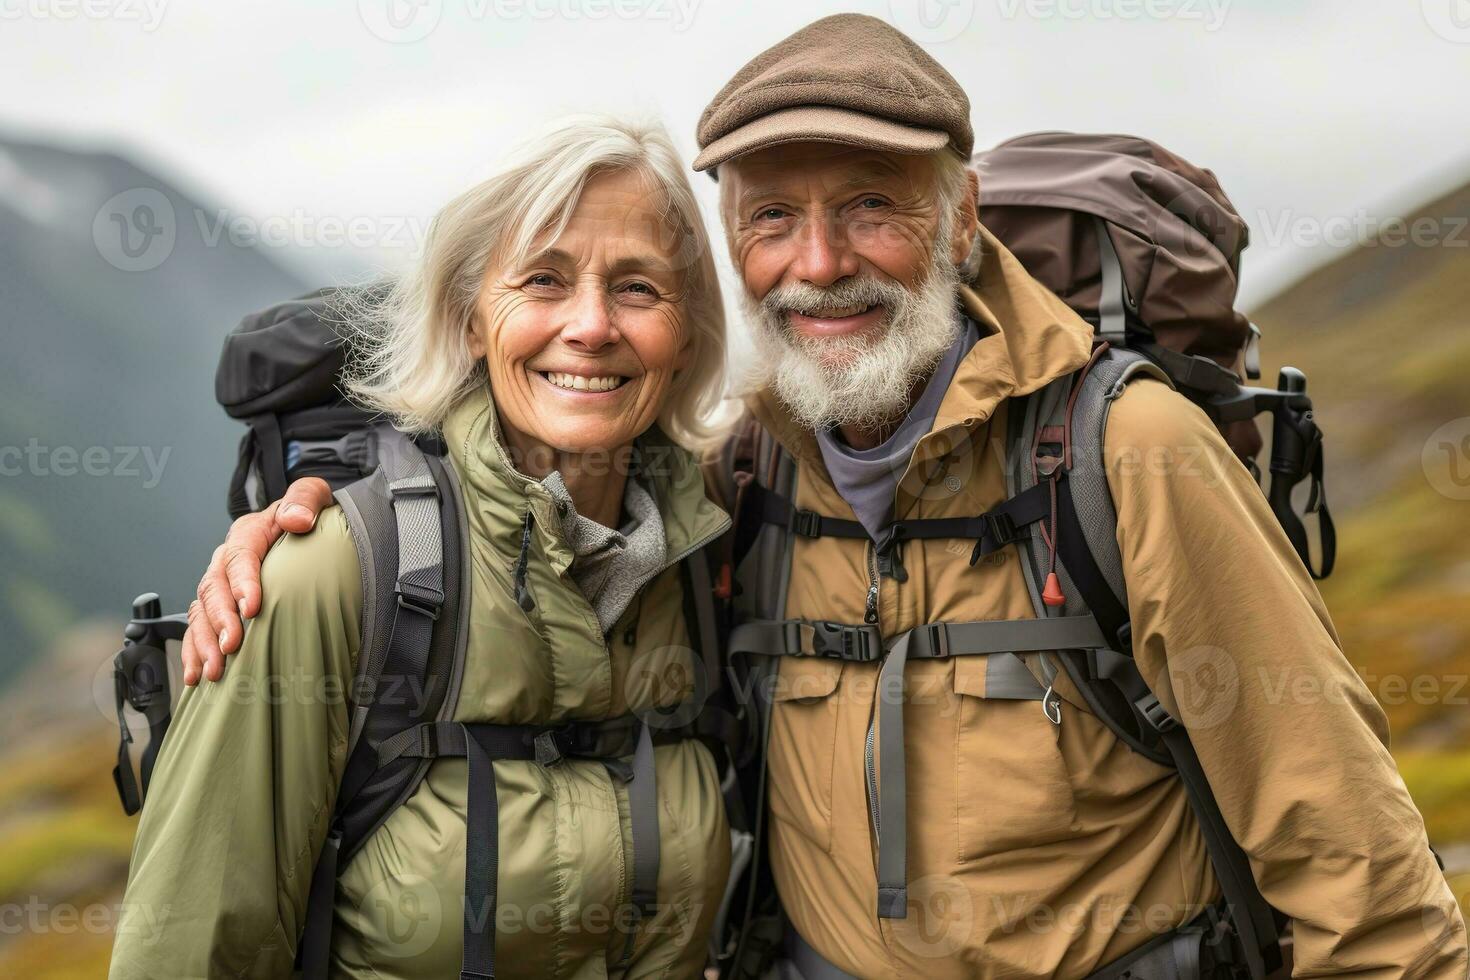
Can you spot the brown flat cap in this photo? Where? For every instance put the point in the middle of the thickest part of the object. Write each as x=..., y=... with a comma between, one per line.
x=844, y=79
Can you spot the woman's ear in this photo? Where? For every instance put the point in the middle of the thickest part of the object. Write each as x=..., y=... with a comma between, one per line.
x=473, y=341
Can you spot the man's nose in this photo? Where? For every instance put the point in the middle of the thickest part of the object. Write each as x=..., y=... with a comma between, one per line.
x=824, y=253
x=590, y=324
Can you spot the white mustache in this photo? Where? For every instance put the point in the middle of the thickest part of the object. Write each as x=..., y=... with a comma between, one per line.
x=803, y=297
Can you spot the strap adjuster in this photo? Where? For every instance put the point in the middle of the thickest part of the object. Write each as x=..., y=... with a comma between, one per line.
x=1001, y=528
x=414, y=486
x=548, y=747
x=1155, y=714
x=420, y=599
x=938, y=634
x=839, y=641
x=807, y=523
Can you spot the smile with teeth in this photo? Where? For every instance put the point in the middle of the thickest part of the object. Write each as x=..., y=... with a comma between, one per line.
x=581, y=382
x=835, y=312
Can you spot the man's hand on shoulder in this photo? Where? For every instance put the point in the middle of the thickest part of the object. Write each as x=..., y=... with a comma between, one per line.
x=229, y=592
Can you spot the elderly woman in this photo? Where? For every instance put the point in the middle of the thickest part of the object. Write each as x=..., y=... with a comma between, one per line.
x=564, y=323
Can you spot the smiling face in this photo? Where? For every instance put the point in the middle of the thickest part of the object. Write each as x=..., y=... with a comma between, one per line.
x=582, y=341
x=849, y=259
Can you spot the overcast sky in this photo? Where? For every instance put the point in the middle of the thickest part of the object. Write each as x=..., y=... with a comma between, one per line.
x=1318, y=115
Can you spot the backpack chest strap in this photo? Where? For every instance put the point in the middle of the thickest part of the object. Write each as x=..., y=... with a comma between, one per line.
x=483, y=745
x=1002, y=525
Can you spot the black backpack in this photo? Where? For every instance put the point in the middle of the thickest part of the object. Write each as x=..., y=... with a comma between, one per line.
x=279, y=373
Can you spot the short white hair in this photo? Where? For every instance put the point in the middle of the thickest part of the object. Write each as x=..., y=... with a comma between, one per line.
x=954, y=192
x=410, y=352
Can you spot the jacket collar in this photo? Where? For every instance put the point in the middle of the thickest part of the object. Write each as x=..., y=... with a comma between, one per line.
x=1028, y=337
x=498, y=496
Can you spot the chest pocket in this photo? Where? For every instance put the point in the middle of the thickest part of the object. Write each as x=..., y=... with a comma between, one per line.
x=1013, y=787
x=803, y=744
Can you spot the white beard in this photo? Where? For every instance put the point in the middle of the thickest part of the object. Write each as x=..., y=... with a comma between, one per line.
x=864, y=381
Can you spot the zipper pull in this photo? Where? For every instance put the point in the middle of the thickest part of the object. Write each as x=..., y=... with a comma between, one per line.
x=870, y=615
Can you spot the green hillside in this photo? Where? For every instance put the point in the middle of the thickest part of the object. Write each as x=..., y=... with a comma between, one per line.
x=1384, y=335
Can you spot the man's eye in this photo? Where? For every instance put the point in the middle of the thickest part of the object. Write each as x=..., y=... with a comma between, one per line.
x=871, y=203
x=770, y=214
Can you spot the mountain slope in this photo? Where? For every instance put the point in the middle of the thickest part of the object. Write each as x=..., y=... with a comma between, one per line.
x=116, y=457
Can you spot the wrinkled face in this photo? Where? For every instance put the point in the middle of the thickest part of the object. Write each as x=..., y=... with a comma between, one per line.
x=848, y=257
x=582, y=341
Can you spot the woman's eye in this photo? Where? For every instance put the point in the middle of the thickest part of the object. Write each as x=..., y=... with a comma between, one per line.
x=641, y=289
x=541, y=279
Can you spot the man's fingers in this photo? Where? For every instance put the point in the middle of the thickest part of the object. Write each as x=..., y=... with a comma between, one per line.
x=221, y=611
x=304, y=500
x=238, y=559
x=186, y=651
x=200, y=638
x=241, y=573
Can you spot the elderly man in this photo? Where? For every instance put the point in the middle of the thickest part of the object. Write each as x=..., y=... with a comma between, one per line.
x=892, y=328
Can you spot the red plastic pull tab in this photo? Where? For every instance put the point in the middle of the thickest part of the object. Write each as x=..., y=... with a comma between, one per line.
x=724, y=585
x=1052, y=594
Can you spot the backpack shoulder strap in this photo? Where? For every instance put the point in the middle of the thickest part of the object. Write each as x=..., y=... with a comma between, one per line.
x=406, y=522
x=1092, y=567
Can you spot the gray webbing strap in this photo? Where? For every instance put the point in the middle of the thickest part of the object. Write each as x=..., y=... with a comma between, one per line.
x=420, y=552
x=643, y=811
x=808, y=964
x=944, y=640
x=1110, y=303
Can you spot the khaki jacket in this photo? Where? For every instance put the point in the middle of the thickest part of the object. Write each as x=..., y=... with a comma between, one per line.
x=1041, y=850
x=242, y=796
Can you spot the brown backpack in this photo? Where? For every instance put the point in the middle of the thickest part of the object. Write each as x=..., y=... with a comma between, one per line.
x=1146, y=246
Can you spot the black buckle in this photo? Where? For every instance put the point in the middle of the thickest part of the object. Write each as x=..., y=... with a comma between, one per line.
x=807, y=523
x=548, y=747
x=420, y=600
x=1156, y=715
x=838, y=641
x=1000, y=528
x=938, y=634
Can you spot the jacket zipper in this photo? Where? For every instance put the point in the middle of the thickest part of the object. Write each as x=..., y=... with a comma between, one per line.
x=870, y=616
x=870, y=612
x=872, y=775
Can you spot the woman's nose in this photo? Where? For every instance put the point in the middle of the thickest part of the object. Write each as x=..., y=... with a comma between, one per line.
x=590, y=324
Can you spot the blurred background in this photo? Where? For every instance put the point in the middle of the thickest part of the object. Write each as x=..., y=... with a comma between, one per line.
x=167, y=166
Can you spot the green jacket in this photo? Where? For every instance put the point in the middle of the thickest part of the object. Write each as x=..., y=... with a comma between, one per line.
x=242, y=796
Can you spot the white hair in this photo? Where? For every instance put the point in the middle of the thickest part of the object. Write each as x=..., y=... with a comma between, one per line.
x=411, y=358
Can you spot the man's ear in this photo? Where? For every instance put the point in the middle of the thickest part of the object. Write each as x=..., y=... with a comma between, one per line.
x=967, y=222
